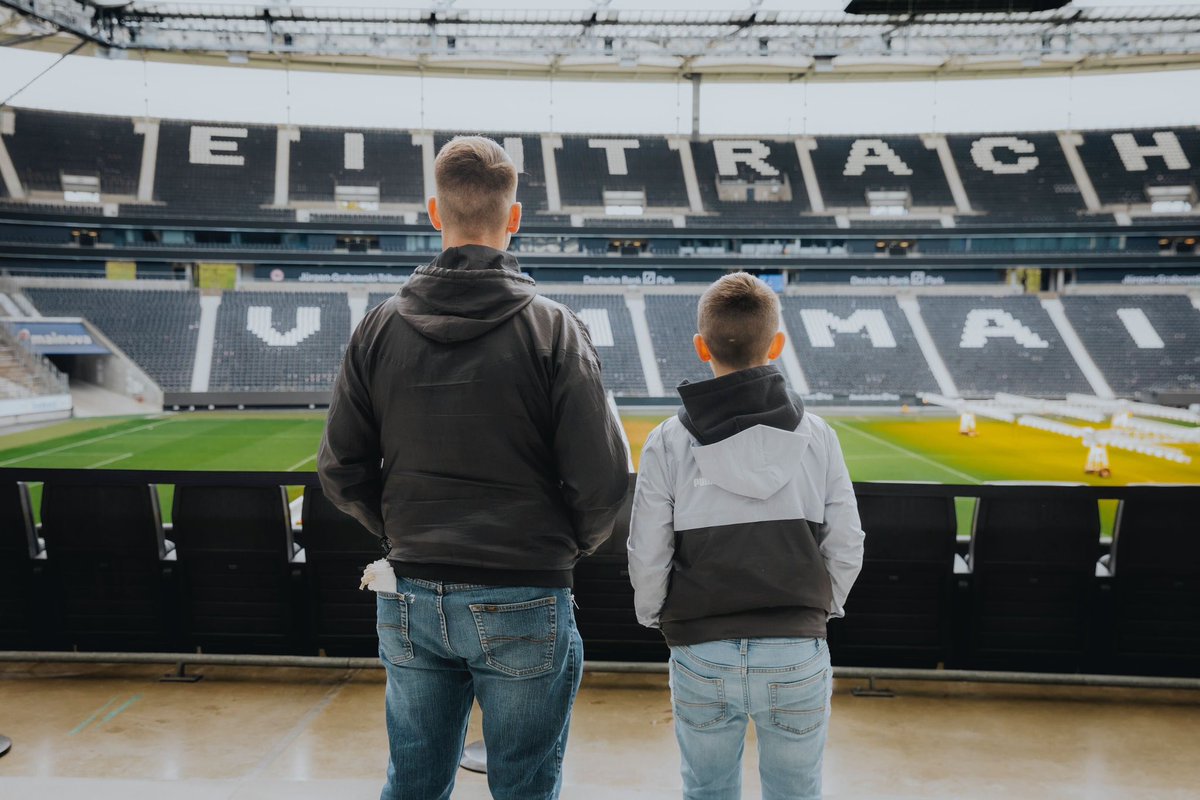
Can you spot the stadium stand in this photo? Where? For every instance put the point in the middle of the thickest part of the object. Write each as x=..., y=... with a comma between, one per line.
x=215, y=170
x=160, y=337
x=849, y=167
x=768, y=167
x=45, y=146
x=1144, y=344
x=588, y=166
x=1001, y=344
x=672, y=321
x=242, y=585
x=1032, y=566
x=221, y=169
x=279, y=341
x=899, y=613
x=611, y=329
x=1017, y=176
x=856, y=345
x=1155, y=564
x=336, y=548
x=323, y=159
x=106, y=555
x=22, y=558
x=1125, y=166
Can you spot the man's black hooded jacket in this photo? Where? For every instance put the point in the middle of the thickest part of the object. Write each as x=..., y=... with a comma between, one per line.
x=469, y=428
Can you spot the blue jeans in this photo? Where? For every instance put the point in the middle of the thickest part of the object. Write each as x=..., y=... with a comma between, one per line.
x=783, y=685
x=515, y=649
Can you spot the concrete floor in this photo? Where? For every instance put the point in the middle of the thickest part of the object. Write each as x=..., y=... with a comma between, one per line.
x=257, y=734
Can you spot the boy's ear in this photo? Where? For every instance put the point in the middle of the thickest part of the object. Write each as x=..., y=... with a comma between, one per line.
x=777, y=343
x=514, y=218
x=435, y=219
x=701, y=348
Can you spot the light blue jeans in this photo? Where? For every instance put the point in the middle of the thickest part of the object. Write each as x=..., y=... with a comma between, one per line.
x=784, y=685
x=515, y=649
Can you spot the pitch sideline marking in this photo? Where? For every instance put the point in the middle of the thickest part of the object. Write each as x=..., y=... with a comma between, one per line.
x=905, y=450
x=94, y=439
x=108, y=461
x=300, y=464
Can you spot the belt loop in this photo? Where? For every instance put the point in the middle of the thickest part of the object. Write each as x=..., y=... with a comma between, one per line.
x=744, y=646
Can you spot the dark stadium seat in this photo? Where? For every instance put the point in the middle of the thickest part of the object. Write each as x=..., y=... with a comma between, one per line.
x=1155, y=564
x=604, y=596
x=279, y=341
x=241, y=579
x=336, y=549
x=1033, y=581
x=160, y=337
x=899, y=613
x=1001, y=344
x=1164, y=356
x=109, y=567
x=21, y=561
x=856, y=345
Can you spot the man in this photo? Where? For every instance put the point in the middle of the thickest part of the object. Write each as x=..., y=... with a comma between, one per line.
x=469, y=429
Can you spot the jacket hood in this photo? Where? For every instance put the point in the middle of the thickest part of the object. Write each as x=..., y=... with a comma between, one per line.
x=464, y=293
x=745, y=423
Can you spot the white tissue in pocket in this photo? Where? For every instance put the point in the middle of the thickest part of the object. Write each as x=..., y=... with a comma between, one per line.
x=379, y=577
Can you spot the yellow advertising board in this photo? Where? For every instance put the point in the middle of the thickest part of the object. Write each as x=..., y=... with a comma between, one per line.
x=120, y=270
x=217, y=275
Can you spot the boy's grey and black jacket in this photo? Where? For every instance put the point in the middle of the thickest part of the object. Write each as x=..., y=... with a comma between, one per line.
x=470, y=430
x=744, y=519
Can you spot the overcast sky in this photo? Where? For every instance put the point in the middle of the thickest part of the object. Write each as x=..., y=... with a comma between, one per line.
x=131, y=87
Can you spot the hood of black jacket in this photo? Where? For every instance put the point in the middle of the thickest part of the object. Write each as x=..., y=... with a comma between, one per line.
x=464, y=293
x=716, y=409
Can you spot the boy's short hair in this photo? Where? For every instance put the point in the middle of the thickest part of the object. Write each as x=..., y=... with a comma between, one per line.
x=738, y=317
x=476, y=184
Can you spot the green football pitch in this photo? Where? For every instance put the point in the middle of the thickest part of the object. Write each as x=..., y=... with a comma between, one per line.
x=893, y=448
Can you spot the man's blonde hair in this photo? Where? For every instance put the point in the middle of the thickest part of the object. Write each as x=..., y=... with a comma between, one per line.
x=476, y=184
x=738, y=316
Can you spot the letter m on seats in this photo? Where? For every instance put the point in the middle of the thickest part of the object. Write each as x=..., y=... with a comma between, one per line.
x=820, y=325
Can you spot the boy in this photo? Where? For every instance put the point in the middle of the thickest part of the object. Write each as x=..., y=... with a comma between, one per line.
x=745, y=539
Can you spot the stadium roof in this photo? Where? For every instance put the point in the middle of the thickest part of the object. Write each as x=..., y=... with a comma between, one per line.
x=609, y=41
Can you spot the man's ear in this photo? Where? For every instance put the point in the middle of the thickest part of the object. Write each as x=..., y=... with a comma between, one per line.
x=702, y=348
x=435, y=219
x=777, y=343
x=514, y=218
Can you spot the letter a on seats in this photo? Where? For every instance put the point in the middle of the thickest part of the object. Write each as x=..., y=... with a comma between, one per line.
x=308, y=322
x=874, y=152
x=994, y=323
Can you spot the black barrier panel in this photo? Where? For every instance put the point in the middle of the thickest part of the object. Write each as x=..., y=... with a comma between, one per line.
x=336, y=548
x=1035, y=562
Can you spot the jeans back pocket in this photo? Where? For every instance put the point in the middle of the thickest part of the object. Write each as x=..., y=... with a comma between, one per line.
x=518, y=639
x=800, y=707
x=391, y=614
x=698, y=701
